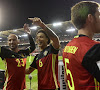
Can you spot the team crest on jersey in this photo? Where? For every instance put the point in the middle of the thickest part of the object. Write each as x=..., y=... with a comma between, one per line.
x=13, y=56
x=45, y=53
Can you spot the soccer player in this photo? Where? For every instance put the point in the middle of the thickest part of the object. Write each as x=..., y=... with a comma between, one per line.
x=15, y=61
x=81, y=56
x=46, y=62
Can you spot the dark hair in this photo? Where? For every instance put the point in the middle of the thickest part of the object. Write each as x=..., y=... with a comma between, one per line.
x=80, y=11
x=42, y=31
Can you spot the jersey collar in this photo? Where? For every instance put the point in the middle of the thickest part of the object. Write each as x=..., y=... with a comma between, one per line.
x=80, y=35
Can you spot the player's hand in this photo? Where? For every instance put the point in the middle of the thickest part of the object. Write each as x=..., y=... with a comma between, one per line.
x=26, y=28
x=36, y=21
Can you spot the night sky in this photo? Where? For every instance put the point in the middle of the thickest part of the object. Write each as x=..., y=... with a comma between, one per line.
x=14, y=13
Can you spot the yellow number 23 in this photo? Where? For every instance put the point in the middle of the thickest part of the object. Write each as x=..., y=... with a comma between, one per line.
x=20, y=62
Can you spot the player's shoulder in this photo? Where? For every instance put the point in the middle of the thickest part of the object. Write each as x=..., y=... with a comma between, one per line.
x=81, y=43
x=82, y=39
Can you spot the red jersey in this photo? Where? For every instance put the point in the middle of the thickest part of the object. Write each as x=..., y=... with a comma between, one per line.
x=47, y=64
x=80, y=57
x=15, y=74
x=15, y=66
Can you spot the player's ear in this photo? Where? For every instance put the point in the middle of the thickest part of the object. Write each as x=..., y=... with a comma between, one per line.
x=90, y=18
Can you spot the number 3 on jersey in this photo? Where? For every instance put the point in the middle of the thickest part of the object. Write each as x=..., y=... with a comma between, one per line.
x=20, y=62
x=71, y=87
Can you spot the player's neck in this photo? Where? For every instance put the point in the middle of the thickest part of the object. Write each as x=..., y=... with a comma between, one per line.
x=14, y=50
x=86, y=32
x=42, y=48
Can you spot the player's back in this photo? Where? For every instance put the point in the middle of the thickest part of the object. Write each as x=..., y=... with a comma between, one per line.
x=78, y=78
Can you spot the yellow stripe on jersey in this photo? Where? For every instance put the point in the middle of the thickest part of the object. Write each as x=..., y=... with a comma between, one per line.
x=96, y=84
x=53, y=69
x=6, y=75
x=5, y=84
x=76, y=36
x=29, y=50
x=56, y=89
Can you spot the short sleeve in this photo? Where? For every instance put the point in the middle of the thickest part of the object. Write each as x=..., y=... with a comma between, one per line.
x=33, y=64
x=91, y=61
x=53, y=50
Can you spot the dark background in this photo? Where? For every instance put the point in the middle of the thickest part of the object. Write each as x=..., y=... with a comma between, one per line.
x=14, y=13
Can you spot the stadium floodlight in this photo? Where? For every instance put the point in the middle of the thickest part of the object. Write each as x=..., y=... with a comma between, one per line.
x=57, y=24
x=65, y=35
x=0, y=38
x=19, y=36
x=70, y=30
x=15, y=30
x=34, y=27
x=25, y=35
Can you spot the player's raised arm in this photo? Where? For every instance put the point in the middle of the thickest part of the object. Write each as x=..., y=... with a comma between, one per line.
x=31, y=41
x=49, y=32
x=26, y=29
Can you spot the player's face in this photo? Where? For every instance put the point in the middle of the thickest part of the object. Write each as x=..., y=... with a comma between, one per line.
x=97, y=21
x=13, y=42
x=41, y=40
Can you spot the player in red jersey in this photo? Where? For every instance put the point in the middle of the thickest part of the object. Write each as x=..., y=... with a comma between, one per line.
x=46, y=62
x=81, y=56
x=15, y=61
